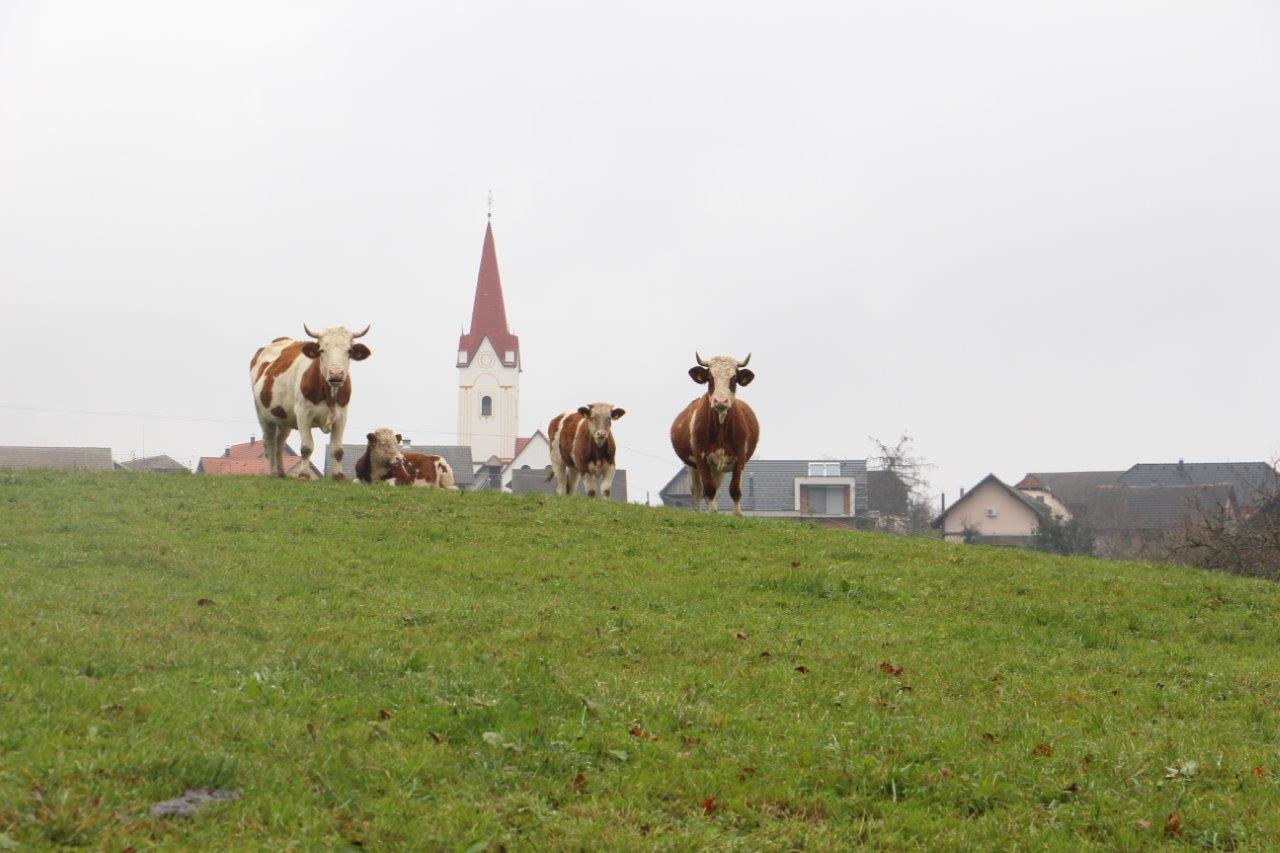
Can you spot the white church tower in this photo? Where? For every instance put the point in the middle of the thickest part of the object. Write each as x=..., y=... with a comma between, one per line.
x=489, y=369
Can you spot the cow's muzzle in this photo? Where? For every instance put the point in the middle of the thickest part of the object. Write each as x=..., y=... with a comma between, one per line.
x=720, y=405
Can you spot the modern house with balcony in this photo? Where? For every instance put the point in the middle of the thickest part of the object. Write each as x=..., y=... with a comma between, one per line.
x=829, y=491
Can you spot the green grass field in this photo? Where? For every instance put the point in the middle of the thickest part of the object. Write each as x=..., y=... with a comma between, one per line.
x=381, y=667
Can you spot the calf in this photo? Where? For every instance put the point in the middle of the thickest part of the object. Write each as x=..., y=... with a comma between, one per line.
x=300, y=385
x=717, y=433
x=582, y=447
x=383, y=461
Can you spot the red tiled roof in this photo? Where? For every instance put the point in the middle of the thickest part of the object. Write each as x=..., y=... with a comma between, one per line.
x=521, y=444
x=1029, y=482
x=489, y=313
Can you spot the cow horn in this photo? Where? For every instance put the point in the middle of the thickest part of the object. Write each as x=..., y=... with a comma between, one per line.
x=743, y=363
x=366, y=331
x=307, y=329
x=699, y=358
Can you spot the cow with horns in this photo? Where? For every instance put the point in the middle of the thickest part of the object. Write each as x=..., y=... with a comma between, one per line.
x=583, y=448
x=717, y=433
x=304, y=384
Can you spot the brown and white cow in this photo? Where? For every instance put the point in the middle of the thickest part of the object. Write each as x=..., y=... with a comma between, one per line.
x=582, y=448
x=304, y=384
x=717, y=432
x=384, y=461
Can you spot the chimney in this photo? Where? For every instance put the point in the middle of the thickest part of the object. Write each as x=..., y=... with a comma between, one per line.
x=962, y=491
x=252, y=438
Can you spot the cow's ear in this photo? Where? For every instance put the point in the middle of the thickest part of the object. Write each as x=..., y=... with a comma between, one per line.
x=699, y=374
x=745, y=376
x=369, y=437
x=360, y=352
x=311, y=349
x=584, y=411
x=617, y=413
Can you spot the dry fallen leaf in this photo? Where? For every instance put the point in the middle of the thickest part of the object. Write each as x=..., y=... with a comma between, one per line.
x=435, y=737
x=311, y=730
x=203, y=602
x=636, y=731
x=580, y=782
x=1073, y=788
x=709, y=805
x=989, y=737
x=384, y=714
x=684, y=753
x=1173, y=824
x=1144, y=824
x=765, y=655
x=740, y=635
x=745, y=772
x=889, y=669
x=1260, y=773
x=803, y=670
x=1042, y=749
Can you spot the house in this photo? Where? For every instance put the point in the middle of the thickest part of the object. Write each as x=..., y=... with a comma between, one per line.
x=1254, y=483
x=993, y=512
x=458, y=457
x=832, y=491
x=248, y=459
x=530, y=480
x=57, y=458
x=159, y=464
x=532, y=454
x=1142, y=521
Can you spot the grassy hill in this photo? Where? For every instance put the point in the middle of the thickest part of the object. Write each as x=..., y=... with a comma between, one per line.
x=400, y=667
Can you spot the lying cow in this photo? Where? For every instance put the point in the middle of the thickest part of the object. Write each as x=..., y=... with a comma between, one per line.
x=717, y=433
x=383, y=461
x=582, y=448
x=300, y=385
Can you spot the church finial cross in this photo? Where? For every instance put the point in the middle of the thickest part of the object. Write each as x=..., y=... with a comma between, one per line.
x=489, y=212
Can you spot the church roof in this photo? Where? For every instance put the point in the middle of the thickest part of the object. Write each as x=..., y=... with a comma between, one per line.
x=489, y=313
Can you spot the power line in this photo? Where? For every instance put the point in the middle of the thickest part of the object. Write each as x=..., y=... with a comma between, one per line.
x=241, y=421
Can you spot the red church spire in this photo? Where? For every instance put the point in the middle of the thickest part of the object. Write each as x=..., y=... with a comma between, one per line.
x=489, y=313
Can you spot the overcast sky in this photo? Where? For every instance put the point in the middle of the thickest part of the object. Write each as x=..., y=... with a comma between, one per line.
x=1038, y=236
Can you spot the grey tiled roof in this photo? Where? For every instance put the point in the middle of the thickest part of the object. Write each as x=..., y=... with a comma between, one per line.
x=1254, y=482
x=76, y=458
x=458, y=457
x=161, y=462
x=1161, y=508
x=1076, y=489
x=524, y=481
x=768, y=485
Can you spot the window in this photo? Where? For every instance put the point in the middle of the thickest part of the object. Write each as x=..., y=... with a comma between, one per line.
x=486, y=406
x=824, y=469
x=462, y=356
x=824, y=500
x=510, y=356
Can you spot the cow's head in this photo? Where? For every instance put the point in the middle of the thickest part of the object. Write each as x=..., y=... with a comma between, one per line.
x=384, y=447
x=601, y=417
x=722, y=376
x=334, y=348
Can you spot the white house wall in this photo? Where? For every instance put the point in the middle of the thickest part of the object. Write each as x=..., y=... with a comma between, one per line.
x=486, y=375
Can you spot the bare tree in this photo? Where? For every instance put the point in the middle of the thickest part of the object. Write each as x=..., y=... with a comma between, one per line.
x=904, y=467
x=1232, y=539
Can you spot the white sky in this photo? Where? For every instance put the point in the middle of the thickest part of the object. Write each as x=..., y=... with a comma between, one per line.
x=1038, y=236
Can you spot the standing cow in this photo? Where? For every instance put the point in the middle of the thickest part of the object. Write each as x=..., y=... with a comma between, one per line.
x=384, y=461
x=582, y=447
x=717, y=433
x=300, y=385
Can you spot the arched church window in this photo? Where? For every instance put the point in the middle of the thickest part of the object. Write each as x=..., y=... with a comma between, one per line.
x=486, y=407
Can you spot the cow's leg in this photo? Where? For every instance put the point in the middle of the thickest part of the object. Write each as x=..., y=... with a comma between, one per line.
x=557, y=471
x=695, y=488
x=570, y=481
x=606, y=483
x=282, y=436
x=269, y=445
x=303, y=469
x=333, y=458
x=710, y=485
x=735, y=488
